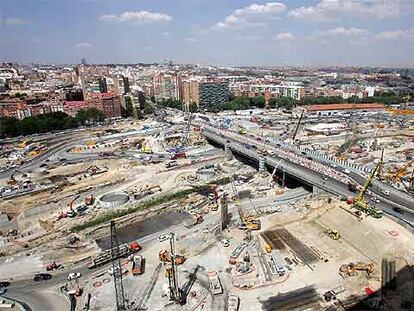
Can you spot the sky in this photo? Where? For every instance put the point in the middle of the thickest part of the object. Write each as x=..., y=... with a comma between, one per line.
x=219, y=32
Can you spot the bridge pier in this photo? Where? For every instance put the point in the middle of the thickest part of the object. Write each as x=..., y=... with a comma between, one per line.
x=228, y=153
x=262, y=166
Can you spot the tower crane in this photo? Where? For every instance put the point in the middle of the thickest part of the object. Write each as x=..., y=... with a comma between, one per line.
x=361, y=204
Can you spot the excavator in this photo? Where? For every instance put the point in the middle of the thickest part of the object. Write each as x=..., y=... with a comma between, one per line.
x=352, y=269
x=361, y=204
x=250, y=222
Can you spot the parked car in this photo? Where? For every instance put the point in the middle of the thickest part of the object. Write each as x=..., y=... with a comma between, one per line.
x=162, y=238
x=74, y=276
x=225, y=242
x=398, y=210
x=42, y=277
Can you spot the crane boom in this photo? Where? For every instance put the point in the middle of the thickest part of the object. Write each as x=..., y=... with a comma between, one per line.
x=361, y=204
x=297, y=126
x=368, y=181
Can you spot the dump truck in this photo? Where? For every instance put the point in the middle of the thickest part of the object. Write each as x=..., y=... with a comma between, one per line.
x=215, y=285
x=236, y=253
x=138, y=265
x=106, y=256
x=233, y=303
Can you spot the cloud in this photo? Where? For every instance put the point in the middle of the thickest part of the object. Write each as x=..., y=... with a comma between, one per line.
x=251, y=15
x=12, y=21
x=340, y=32
x=284, y=36
x=84, y=45
x=348, y=32
x=407, y=34
x=190, y=39
x=334, y=9
x=136, y=18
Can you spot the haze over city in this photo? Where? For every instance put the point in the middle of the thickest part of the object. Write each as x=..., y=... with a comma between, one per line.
x=297, y=32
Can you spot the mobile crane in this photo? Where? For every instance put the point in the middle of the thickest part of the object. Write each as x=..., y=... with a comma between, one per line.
x=361, y=204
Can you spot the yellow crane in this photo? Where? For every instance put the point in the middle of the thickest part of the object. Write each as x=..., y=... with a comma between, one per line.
x=361, y=204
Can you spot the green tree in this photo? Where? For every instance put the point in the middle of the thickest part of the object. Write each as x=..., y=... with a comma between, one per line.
x=129, y=111
x=90, y=116
x=148, y=108
x=9, y=127
x=258, y=101
x=193, y=107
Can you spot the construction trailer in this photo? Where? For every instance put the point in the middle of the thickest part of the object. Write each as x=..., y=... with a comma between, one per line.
x=214, y=281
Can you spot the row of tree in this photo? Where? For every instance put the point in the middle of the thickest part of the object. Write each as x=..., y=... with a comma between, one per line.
x=49, y=122
x=244, y=103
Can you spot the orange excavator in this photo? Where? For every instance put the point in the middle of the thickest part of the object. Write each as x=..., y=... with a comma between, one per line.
x=352, y=269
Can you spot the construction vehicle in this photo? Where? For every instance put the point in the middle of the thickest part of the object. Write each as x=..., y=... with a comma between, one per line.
x=146, y=148
x=53, y=266
x=361, y=204
x=333, y=234
x=106, y=256
x=399, y=174
x=178, y=155
x=23, y=144
x=215, y=285
x=90, y=199
x=165, y=257
x=233, y=303
x=236, y=253
x=11, y=181
x=352, y=269
x=148, y=190
x=242, y=131
x=138, y=265
x=250, y=222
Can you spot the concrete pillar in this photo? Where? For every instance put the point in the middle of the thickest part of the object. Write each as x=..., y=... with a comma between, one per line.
x=262, y=167
x=228, y=153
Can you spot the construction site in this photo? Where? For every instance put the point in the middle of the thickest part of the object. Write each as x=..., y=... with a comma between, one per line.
x=212, y=212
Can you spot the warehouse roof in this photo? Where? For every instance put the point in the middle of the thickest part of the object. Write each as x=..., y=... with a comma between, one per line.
x=346, y=106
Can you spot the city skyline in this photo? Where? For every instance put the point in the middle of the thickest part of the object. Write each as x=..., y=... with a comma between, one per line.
x=267, y=33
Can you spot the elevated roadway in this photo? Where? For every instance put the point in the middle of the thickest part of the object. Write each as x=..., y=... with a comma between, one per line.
x=318, y=174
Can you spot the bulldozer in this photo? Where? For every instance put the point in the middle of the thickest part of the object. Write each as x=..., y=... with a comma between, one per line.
x=333, y=234
x=352, y=269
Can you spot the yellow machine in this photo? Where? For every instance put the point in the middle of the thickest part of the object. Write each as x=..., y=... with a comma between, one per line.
x=361, y=204
x=146, y=148
x=23, y=144
x=242, y=131
x=353, y=268
x=400, y=173
x=333, y=234
x=250, y=222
